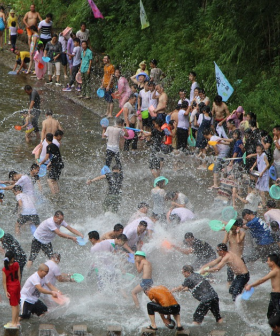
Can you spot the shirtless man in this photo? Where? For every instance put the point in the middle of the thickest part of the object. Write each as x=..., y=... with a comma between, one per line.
x=118, y=229
x=50, y=125
x=235, y=263
x=162, y=102
x=274, y=276
x=220, y=111
x=31, y=18
x=235, y=237
x=142, y=265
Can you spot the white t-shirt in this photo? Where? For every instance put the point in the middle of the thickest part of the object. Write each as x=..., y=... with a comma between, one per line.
x=13, y=30
x=145, y=99
x=152, y=101
x=29, y=292
x=83, y=36
x=222, y=149
x=272, y=215
x=192, y=116
x=28, y=205
x=253, y=200
x=183, y=213
x=180, y=101
x=136, y=222
x=200, y=119
x=54, y=271
x=131, y=232
x=193, y=86
x=27, y=186
x=114, y=133
x=276, y=154
x=63, y=42
x=183, y=200
x=107, y=245
x=77, y=52
x=45, y=231
x=131, y=112
x=183, y=120
x=45, y=29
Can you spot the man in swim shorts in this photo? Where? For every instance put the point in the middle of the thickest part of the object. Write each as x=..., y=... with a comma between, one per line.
x=142, y=265
x=31, y=18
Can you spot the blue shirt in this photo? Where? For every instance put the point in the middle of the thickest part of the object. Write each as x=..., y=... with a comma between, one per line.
x=237, y=149
x=260, y=231
x=85, y=60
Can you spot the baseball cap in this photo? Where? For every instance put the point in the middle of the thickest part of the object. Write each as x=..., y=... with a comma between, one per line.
x=140, y=253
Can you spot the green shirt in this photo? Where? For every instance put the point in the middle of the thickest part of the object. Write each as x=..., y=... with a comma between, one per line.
x=86, y=57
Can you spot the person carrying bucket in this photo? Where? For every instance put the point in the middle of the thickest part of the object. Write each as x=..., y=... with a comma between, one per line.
x=129, y=115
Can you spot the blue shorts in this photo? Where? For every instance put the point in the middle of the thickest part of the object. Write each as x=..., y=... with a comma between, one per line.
x=218, y=165
x=146, y=283
x=108, y=96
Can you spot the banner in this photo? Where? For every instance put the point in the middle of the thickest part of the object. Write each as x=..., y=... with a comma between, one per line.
x=96, y=12
x=143, y=17
x=225, y=90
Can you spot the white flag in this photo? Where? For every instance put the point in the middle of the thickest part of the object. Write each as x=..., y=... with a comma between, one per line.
x=225, y=90
x=143, y=17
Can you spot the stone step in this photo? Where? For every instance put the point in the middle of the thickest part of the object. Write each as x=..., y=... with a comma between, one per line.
x=114, y=330
x=47, y=330
x=80, y=330
x=147, y=332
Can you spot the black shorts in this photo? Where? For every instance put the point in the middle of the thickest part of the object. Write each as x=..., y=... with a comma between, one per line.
x=148, y=122
x=36, y=114
x=108, y=96
x=38, y=308
x=274, y=305
x=45, y=41
x=204, y=307
x=26, y=60
x=153, y=307
x=63, y=59
x=238, y=284
x=36, y=246
x=55, y=170
x=34, y=219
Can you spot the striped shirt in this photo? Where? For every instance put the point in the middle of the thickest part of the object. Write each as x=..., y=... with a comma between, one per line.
x=45, y=29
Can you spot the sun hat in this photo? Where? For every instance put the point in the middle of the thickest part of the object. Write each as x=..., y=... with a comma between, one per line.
x=12, y=11
x=140, y=253
x=1, y=233
x=141, y=63
x=142, y=74
x=160, y=178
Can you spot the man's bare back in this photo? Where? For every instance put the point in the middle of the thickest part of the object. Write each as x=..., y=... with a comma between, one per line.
x=162, y=102
x=50, y=125
x=109, y=235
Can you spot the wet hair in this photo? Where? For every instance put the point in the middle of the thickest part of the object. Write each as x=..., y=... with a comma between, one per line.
x=55, y=255
x=170, y=195
x=155, y=216
x=207, y=131
x=143, y=223
x=9, y=255
x=238, y=133
x=28, y=88
x=122, y=237
x=175, y=218
x=248, y=131
x=34, y=28
x=207, y=110
x=253, y=123
x=185, y=104
x=116, y=167
x=252, y=115
x=238, y=222
x=218, y=99
x=34, y=166
x=274, y=258
x=160, y=183
x=158, y=122
x=189, y=235
x=260, y=145
x=49, y=112
x=76, y=39
x=247, y=212
x=118, y=227
x=49, y=15
x=58, y=133
x=274, y=224
x=171, y=122
x=58, y=213
x=143, y=205
x=132, y=96
x=188, y=268
x=194, y=104
x=49, y=137
x=93, y=235
x=271, y=204
x=222, y=247
x=119, y=121
x=200, y=106
x=277, y=127
x=13, y=24
x=12, y=173
x=274, y=321
x=193, y=73
x=17, y=188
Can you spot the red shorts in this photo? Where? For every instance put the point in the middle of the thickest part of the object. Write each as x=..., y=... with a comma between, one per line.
x=14, y=292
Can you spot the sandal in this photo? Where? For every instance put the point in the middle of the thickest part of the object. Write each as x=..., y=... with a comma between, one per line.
x=171, y=324
x=179, y=328
x=151, y=328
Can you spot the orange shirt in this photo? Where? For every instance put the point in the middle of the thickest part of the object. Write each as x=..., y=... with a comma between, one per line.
x=109, y=70
x=162, y=295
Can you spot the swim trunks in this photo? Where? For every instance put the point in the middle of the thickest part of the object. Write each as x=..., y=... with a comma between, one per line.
x=146, y=283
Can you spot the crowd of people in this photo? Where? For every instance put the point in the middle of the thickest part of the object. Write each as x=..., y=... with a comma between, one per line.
x=228, y=143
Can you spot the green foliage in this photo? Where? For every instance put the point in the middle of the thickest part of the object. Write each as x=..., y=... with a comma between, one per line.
x=241, y=37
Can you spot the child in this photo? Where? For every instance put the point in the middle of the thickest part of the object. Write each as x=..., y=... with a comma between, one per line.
x=158, y=195
x=26, y=208
x=12, y=18
x=40, y=73
x=13, y=34
x=28, y=124
x=235, y=237
x=275, y=232
x=251, y=201
x=263, y=165
x=142, y=265
x=11, y=285
x=238, y=144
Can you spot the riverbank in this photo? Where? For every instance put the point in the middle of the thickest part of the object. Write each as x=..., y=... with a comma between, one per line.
x=95, y=104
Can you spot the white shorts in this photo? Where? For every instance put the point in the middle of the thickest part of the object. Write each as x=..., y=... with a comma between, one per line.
x=57, y=68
